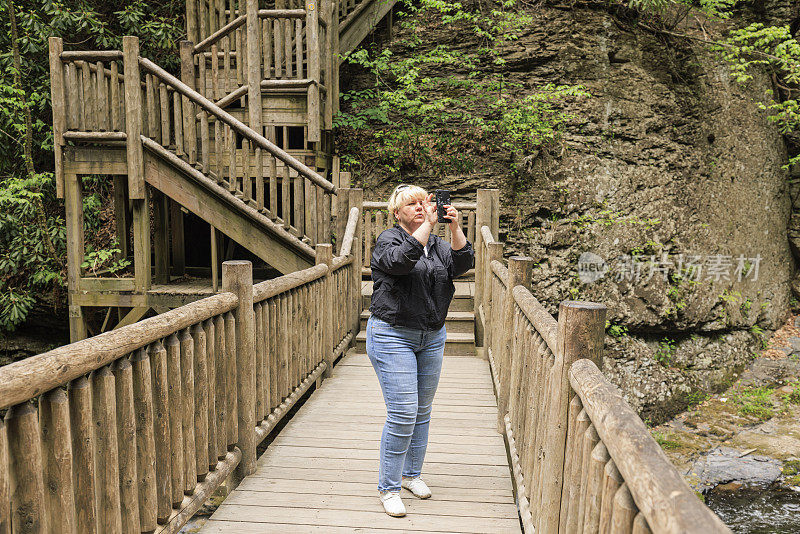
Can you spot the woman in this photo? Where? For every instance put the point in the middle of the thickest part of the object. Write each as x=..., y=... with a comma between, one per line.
x=413, y=273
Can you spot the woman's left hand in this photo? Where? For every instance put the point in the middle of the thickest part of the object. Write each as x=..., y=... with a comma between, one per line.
x=452, y=214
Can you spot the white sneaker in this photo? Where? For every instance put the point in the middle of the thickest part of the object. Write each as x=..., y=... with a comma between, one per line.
x=393, y=504
x=417, y=487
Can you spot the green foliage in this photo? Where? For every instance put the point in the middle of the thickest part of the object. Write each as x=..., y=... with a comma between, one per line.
x=104, y=259
x=665, y=440
x=716, y=8
x=616, y=330
x=756, y=402
x=26, y=266
x=434, y=110
x=758, y=47
x=696, y=397
x=794, y=396
x=665, y=351
x=534, y=121
x=29, y=267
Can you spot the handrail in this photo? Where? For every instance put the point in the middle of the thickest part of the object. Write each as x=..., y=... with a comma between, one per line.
x=341, y=261
x=220, y=33
x=175, y=403
x=33, y=376
x=252, y=213
x=87, y=55
x=486, y=233
x=287, y=282
x=501, y=271
x=349, y=232
x=582, y=459
x=236, y=125
x=537, y=315
x=660, y=492
x=281, y=13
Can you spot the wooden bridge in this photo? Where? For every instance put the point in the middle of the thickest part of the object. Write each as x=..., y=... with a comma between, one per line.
x=134, y=429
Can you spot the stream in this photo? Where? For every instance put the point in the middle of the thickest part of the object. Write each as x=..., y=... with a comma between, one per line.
x=758, y=512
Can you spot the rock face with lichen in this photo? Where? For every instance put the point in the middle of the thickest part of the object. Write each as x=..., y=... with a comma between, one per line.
x=668, y=164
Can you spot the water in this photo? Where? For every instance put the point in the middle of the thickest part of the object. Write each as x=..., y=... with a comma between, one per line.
x=758, y=512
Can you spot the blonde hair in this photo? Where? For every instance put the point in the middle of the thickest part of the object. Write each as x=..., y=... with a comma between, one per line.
x=402, y=194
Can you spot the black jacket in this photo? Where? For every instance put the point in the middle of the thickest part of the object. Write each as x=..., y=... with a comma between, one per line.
x=410, y=289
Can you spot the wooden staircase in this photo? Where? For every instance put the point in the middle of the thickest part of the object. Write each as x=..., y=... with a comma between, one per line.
x=240, y=140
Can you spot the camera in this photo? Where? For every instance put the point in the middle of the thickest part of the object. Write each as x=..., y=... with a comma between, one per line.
x=442, y=200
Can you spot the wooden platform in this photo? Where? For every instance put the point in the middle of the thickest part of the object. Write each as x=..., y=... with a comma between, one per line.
x=320, y=474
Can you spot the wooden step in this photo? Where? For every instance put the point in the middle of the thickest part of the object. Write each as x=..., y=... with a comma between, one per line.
x=463, y=300
x=457, y=344
x=457, y=321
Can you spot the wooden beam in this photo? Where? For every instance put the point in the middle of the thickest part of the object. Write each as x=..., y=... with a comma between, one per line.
x=132, y=316
x=314, y=52
x=95, y=160
x=59, y=109
x=73, y=204
x=133, y=117
x=361, y=22
x=93, y=284
x=119, y=300
x=161, y=236
x=177, y=243
x=141, y=242
x=214, y=259
x=122, y=215
x=219, y=214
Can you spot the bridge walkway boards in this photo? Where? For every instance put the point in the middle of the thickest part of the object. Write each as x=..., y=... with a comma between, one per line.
x=320, y=473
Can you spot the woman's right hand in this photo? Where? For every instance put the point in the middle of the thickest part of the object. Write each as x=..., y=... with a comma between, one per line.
x=430, y=210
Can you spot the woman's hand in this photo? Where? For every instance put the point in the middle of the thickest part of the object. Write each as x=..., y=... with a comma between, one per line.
x=451, y=214
x=430, y=210
x=457, y=240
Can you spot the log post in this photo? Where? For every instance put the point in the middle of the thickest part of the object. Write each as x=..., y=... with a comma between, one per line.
x=494, y=251
x=254, y=77
x=356, y=199
x=73, y=206
x=161, y=237
x=342, y=203
x=5, y=482
x=482, y=217
x=494, y=219
x=312, y=42
x=581, y=332
x=136, y=187
x=519, y=274
x=237, y=277
x=325, y=255
x=333, y=29
x=57, y=461
x=191, y=20
x=27, y=482
x=187, y=77
x=133, y=117
x=59, y=109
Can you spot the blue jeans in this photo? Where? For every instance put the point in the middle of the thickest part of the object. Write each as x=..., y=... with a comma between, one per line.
x=408, y=363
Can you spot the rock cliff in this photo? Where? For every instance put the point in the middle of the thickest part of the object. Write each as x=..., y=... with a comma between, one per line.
x=668, y=175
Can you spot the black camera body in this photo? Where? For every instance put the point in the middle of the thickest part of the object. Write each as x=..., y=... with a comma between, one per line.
x=442, y=200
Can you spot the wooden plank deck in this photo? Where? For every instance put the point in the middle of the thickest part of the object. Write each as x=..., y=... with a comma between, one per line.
x=320, y=473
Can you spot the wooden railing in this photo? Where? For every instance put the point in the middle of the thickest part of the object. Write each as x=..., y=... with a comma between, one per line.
x=96, y=100
x=582, y=460
x=132, y=430
x=377, y=218
x=286, y=48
